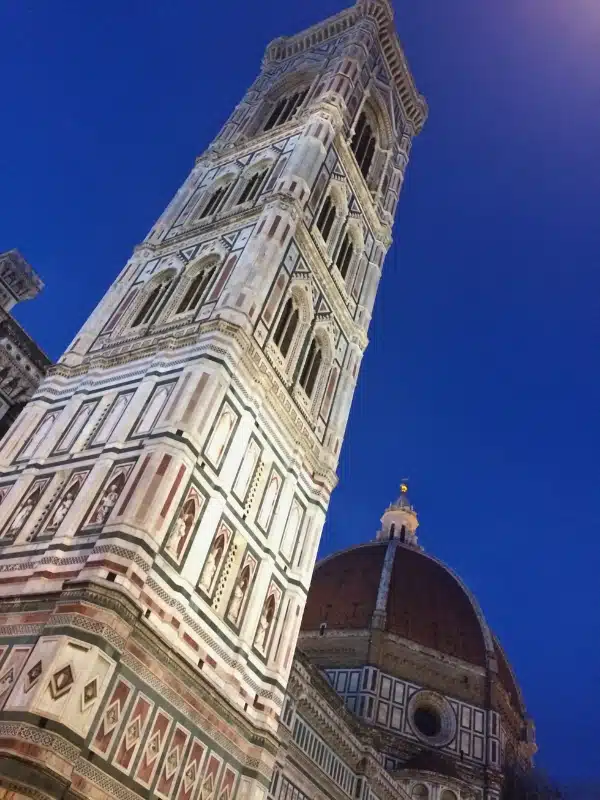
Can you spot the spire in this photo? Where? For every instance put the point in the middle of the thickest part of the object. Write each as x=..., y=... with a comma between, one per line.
x=399, y=520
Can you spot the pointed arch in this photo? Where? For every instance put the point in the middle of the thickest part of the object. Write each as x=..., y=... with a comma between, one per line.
x=40, y=434
x=269, y=500
x=154, y=408
x=283, y=101
x=195, y=284
x=150, y=299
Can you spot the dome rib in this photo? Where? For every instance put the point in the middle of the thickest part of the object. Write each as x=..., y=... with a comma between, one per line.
x=343, y=591
x=427, y=602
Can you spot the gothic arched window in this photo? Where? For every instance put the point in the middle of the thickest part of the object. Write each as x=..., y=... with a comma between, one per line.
x=286, y=327
x=151, y=304
x=214, y=201
x=344, y=255
x=285, y=109
x=196, y=290
x=311, y=368
x=363, y=144
x=253, y=187
x=326, y=218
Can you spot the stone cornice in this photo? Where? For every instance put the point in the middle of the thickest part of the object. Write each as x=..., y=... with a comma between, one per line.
x=413, y=103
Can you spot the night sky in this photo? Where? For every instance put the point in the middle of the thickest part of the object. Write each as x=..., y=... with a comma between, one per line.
x=481, y=382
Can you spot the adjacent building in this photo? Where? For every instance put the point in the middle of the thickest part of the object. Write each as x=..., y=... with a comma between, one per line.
x=22, y=363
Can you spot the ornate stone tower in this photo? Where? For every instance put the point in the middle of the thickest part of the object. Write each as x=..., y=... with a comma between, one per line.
x=163, y=493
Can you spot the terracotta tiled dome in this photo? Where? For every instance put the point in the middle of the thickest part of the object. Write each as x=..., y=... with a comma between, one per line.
x=426, y=603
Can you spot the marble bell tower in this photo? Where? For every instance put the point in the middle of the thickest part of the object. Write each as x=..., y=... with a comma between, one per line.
x=164, y=491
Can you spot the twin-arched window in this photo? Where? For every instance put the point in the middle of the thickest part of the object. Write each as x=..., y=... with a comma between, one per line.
x=326, y=218
x=196, y=290
x=284, y=336
x=151, y=304
x=214, y=201
x=285, y=109
x=312, y=365
x=363, y=144
x=286, y=327
x=253, y=187
x=344, y=255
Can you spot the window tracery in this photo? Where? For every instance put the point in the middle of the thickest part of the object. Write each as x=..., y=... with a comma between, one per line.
x=363, y=144
x=326, y=217
x=286, y=327
x=151, y=303
x=311, y=368
x=253, y=187
x=213, y=202
x=197, y=289
x=344, y=255
x=285, y=108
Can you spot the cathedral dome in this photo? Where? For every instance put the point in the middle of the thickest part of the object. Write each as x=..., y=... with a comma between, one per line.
x=383, y=602
x=424, y=601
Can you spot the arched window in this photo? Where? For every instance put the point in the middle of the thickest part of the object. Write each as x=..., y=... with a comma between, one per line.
x=344, y=255
x=286, y=327
x=326, y=217
x=447, y=794
x=285, y=109
x=420, y=792
x=151, y=304
x=311, y=367
x=214, y=201
x=363, y=144
x=196, y=290
x=253, y=187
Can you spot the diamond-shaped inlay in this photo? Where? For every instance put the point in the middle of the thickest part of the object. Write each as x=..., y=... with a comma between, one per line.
x=61, y=682
x=112, y=716
x=208, y=786
x=132, y=734
x=7, y=679
x=189, y=776
x=33, y=676
x=172, y=762
x=153, y=748
x=90, y=693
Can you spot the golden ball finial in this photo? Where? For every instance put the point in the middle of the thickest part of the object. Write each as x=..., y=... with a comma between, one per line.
x=403, y=488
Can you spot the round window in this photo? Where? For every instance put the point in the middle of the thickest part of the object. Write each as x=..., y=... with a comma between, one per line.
x=428, y=721
x=431, y=718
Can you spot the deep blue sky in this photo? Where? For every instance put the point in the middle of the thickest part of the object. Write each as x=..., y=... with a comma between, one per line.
x=481, y=382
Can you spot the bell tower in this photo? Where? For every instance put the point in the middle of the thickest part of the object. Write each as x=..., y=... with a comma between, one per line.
x=163, y=493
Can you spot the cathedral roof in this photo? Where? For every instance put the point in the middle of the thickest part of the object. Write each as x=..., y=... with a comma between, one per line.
x=426, y=603
x=394, y=586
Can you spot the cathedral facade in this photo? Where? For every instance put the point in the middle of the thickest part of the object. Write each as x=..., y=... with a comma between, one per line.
x=163, y=493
